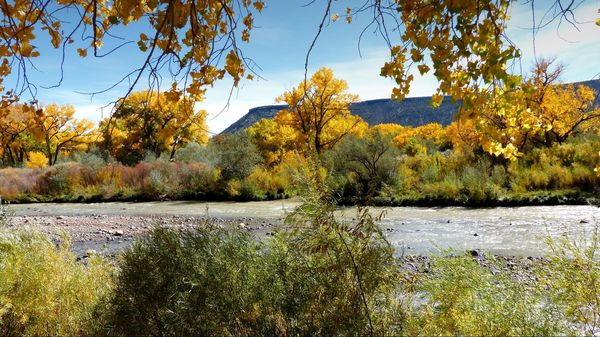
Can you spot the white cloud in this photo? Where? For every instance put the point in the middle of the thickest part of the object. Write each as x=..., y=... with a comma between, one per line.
x=94, y=113
x=578, y=48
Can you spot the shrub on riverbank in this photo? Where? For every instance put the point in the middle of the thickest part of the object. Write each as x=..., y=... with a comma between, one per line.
x=157, y=180
x=322, y=280
x=225, y=282
x=43, y=290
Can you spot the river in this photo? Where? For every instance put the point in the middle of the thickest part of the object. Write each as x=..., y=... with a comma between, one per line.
x=413, y=230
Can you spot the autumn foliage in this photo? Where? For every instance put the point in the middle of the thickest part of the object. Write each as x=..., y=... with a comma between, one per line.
x=539, y=147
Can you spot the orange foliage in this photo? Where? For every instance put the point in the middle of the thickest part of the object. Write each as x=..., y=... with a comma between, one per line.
x=432, y=131
x=463, y=135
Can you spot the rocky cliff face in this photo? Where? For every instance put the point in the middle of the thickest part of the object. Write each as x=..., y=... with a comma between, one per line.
x=412, y=111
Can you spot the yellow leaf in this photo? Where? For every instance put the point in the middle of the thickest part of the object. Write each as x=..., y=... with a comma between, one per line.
x=258, y=5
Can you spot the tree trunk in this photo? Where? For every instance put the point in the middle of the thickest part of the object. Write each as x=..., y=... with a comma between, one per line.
x=174, y=149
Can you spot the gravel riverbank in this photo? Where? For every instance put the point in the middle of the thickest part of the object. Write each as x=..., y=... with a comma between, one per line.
x=109, y=234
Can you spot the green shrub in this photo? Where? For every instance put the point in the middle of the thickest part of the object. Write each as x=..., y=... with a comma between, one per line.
x=43, y=290
x=460, y=297
x=573, y=279
x=336, y=279
x=189, y=283
x=325, y=279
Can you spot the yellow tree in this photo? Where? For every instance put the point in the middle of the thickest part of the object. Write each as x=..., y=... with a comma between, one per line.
x=273, y=140
x=463, y=135
x=432, y=131
x=15, y=132
x=566, y=110
x=318, y=111
x=540, y=111
x=57, y=128
x=148, y=121
x=389, y=129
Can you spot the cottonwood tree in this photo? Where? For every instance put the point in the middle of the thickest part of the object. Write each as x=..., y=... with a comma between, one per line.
x=318, y=111
x=274, y=140
x=462, y=43
x=58, y=130
x=151, y=122
x=15, y=132
x=539, y=112
x=189, y=37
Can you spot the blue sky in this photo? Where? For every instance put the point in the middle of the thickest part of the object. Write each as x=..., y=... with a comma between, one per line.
x=279, y=44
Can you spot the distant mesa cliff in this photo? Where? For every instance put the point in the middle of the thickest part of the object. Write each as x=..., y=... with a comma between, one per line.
x=412, y=111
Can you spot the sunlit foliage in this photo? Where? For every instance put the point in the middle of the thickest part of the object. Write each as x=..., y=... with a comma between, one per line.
x=318, y=111
x=433, y=131
x=190, y=36
x=464, y=42
x=43, y=290
x=540, y=112
x=56, y=128
x=15, y=137
x=463, y=136
x=148, y=122
x=36, y=160
x=273, y=139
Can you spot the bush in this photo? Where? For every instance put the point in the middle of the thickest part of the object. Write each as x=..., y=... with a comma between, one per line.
x=573, y=280
x=58, y=180
x=36, y=159
x=237, y=155
x=327, y=279
x=197, y=283
x=367, y=163
x=460, y=297
x=43, y=290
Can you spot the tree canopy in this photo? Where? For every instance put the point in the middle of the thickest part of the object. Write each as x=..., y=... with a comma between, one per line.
x=463, y=43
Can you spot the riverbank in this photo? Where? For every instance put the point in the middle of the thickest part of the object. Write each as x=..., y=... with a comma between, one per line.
x=506, y=231
x=536, y=198
x=110, y=235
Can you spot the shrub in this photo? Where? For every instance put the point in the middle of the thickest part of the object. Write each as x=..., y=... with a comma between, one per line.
x=43, y=290
x=36, y=160
x=237, y=155
x=369, y=163
x=460, y=297
x=58, y=180
x=323, y=278
x=573, y=280
x=196, y=283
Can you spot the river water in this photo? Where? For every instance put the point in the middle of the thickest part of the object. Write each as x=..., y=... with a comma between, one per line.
x=413, y=230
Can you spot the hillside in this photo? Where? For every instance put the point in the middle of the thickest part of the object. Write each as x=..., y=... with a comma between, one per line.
x=413, y=111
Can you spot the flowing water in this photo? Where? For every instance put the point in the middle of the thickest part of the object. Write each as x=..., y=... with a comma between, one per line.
x=413, y=230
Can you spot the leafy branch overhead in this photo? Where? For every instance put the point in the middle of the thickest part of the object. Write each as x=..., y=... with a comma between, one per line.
x=189, y=37
x=199, y=41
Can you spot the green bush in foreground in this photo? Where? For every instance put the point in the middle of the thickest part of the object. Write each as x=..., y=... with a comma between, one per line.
x=225, y=283
x=189, y=283
x=463, y=298
x=44, y=291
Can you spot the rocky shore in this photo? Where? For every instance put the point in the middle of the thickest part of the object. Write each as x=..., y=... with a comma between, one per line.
x=109, y=234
